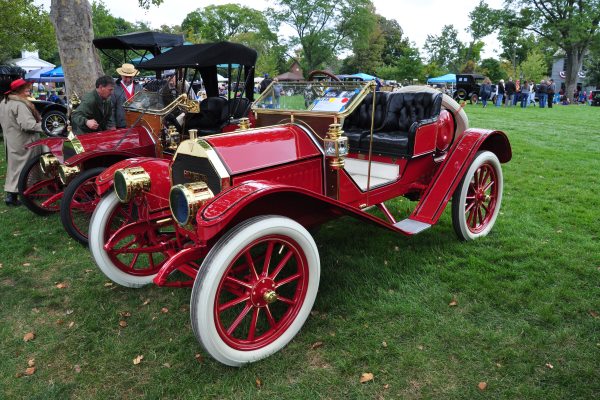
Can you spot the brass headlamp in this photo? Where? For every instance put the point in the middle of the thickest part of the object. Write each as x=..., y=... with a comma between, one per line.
x=336, y=146
x=244, y=123
x=185, y=200
x=174, y=137
x=66, y=173
x=130, y=181
x=49, y=164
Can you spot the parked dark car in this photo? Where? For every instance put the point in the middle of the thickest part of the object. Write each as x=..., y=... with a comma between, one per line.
x=54, y=116
x=467, y=88
x=596, y=98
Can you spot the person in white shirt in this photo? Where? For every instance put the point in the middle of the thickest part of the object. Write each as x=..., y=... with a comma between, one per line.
x=125, y=88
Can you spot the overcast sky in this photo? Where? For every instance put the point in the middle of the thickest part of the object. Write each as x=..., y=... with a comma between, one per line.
x=418, y=18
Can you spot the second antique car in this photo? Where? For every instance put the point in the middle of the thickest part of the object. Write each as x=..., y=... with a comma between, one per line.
x=63, y=178
x=231, y=213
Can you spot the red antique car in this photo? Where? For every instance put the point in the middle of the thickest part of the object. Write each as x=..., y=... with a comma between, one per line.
x=63, y=179
x=232, y=212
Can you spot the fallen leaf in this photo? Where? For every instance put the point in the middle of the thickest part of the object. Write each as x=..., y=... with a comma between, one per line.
x=30, y=371
x=396, y=248
x=31, y=362
x=146, y=302
x=125, y=314
x=594, y=314
x=122, y=323
x=549, y=366
x=77, y=368
x=258, y=383
x=384, y=343
x=482, y=386
x=420, y=347
x=87, y=271
x=453, y=303
x=60, y=322
x=29, y=336
x=314, y=312
x=366, y=377
x=71, y=324
x=386, y=386
x=164, y=310
x=69, y=312
x=498, y=365
x=18, y=375
x=62, y=285
x=199, y=357
x=385, y=262
x=1, y=265
x=107, y=284
x=35, y=310
x=138, y=359
x=316, y=345
x=167, y=365
x=27, y=264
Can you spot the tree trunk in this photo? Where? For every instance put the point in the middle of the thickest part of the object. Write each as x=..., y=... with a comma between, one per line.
x=574, y=63
x=72, y=20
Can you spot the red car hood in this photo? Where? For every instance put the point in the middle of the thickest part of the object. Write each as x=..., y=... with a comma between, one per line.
x=255, y=149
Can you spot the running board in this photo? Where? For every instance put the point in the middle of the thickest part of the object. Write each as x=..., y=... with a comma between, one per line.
x=411, y=226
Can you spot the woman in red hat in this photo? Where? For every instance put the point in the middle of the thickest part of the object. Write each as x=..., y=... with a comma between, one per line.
x=21, y=124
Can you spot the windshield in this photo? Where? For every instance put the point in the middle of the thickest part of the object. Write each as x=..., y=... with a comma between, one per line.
x=152, y=102
x=317, y=96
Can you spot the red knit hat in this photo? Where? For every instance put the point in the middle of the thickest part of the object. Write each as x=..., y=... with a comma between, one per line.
x=14, y=85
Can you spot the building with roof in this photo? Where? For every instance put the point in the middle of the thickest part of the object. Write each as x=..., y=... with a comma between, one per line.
x=30, y=61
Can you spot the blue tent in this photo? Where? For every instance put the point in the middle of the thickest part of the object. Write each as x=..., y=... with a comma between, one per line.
x=448, y=78
x=362, y=76
x=35, y=76
x=55, y=73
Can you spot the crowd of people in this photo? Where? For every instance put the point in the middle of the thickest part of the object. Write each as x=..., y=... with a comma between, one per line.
x=516, y=93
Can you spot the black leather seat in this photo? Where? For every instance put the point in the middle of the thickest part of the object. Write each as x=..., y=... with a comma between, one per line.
x=210, y=118
x=357, y=125
x=405, y=112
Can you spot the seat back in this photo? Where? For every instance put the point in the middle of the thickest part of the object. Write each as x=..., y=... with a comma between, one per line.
x=404, y=109
x=362, y=115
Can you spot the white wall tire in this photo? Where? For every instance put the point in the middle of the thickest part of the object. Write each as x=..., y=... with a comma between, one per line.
x=477, y=199
x=97, y=238
x=223, y=276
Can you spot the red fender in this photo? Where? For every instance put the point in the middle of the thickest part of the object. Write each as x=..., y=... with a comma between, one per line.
x=254, y=198
x=55, y=145
x=91, y=159
x=157, y=168
x=457, y=162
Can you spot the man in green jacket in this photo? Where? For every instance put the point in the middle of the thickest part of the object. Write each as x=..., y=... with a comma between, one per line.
x=95, y=111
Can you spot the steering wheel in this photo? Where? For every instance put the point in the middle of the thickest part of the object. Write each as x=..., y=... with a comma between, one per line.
x=318, y=73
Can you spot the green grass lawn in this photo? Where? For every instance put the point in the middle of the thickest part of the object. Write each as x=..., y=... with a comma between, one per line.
x=526, y=319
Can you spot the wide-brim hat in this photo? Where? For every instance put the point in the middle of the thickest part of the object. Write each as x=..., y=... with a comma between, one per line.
x=127, y=70
x=14, y=85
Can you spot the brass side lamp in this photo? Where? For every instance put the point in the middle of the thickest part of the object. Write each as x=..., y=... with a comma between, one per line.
x=336, y=146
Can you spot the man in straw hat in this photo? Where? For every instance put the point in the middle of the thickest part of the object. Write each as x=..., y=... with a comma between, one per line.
x=125, y=88
x=21, y=124
x=95, y=113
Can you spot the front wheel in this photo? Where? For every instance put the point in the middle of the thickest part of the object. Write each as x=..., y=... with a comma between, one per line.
x=129, y=246
x=78, y=203
x=41, y=193
x=476, y=201
x=474, y=99
x=255, y=289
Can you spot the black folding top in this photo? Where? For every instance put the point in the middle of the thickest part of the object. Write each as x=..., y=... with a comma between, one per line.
x=203, y=55
x=149, y=41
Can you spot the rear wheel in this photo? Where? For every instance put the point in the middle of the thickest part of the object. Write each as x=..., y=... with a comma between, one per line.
x=41, y=193
x=476, y=201
x=461, y=94
x=474, y=98
x=255, y=289
x=129, y=248
x=54, y=123
x=78, y=203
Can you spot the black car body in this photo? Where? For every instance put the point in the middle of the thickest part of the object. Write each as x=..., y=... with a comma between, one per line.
x=468, y=86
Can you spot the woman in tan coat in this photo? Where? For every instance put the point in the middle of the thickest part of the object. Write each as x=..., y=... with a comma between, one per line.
x=20, y=125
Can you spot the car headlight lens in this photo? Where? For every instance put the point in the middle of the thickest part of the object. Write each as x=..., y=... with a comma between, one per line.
x=185, y=200
x=49, y=164
x=66, y=173
x=129, y=182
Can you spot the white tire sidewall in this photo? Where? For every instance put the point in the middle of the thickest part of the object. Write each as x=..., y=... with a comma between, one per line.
x=215, y=265
x=96, y=235
x=481, y=158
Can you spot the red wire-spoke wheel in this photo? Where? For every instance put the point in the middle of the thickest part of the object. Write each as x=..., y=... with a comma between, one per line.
x=255, y=289
x=41, y=193
x=129, y=247
x=476, y=201
x=78, y=203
